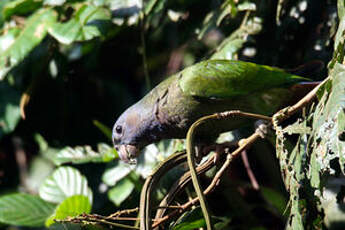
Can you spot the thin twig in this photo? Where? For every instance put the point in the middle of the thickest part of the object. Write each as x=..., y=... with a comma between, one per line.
x=249, y=170
x=127, y=212
x=248, y=142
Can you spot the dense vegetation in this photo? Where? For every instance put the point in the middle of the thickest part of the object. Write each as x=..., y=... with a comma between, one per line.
x=68, y=68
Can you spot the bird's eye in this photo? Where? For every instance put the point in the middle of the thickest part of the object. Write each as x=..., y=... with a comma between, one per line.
x=118, y=129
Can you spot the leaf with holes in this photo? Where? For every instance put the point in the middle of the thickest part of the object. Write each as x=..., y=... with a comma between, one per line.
x=329, y=126
x=63, y=183
x=24, y=210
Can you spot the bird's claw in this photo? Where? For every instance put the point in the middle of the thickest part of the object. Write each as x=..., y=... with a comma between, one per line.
x=261, y=128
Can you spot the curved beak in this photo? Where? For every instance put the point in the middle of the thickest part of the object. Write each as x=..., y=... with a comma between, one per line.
x=127, y=153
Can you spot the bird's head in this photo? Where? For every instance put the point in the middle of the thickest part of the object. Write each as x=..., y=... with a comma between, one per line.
x=125, y=134
x=133, y=131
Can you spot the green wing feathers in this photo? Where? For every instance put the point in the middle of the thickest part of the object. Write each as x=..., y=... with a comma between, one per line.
x=226, y=79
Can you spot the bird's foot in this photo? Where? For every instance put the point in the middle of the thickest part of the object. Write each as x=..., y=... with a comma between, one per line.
x=261, y=128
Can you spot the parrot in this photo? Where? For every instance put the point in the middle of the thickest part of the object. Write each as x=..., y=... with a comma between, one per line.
x=205, y=88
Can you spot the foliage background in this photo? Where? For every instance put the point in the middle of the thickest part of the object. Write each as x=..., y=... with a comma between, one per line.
x=68, y=68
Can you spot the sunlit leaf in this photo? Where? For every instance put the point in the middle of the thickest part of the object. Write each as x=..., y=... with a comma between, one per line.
x=40, y=169
x=88, y=22
x=2, y=4
x=33, y=33
x=63, y=183
x=250, y=6
x=24, y=210
x=329, y=125
x=85, y=154
x=20, y=7
x=116, y=172
x=70, y=207
x=54, y=2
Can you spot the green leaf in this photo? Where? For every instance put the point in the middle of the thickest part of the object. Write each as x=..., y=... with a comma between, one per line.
x=154, y=11
x=121, y=191
x=329, y=126
x=215, y=17
x=190, y=220
x=246, y=6
x=9, y=108
x=275, y=198
x=88, y=22
x=2, y=5
x=70, y=207
x=8, y=38
x=63, y=183
x=54, y=2
x=33, y=33
x=231, y=45
x=229, y=49
x=85, y=154
x=24, y=210
x=46, y=151
x=105, y=130
x=116, y=172
x=40, y=169
x=20, y=7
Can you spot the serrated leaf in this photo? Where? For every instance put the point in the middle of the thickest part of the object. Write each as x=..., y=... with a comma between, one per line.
x=20, y=7
x=9, y=108
x=85, y=154
x=121, y=191
x=70, y=207
x=88, y=22
x=24, y=210
x=63, y=183
x=33, y=33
